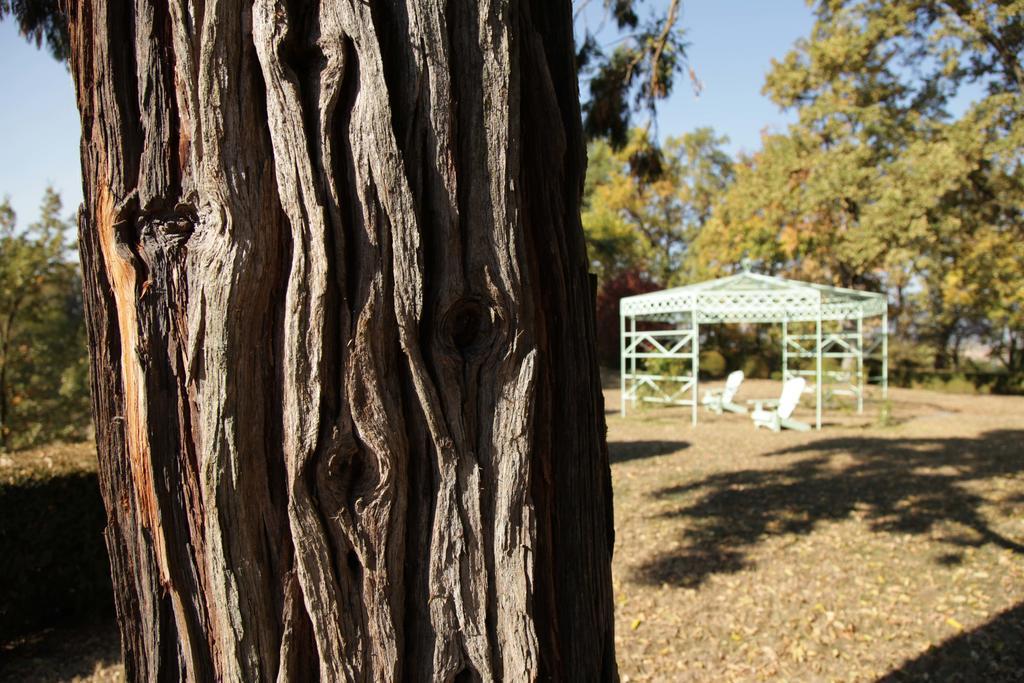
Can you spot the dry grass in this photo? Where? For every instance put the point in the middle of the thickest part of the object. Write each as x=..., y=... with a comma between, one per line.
x=846, y=555
x=858, y=553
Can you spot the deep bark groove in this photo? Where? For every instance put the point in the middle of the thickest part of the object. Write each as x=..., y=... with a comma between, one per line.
x=348, y=413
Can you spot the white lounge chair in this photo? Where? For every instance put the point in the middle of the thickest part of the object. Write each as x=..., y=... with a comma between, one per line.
x=720, y=400
x=775, y=415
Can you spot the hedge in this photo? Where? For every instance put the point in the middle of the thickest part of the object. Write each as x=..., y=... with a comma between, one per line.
x=53, y=560
x=961, y=382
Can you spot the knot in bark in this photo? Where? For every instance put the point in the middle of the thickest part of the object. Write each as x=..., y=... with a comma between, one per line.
x=468, y=327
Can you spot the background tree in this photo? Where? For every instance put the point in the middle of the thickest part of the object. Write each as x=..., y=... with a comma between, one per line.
x=40, y=21
x=613, y=243
x=43, y=388
x=879, y=184
x=646, y=56
x=639, y=226
x=646, y=222
x=347, y=405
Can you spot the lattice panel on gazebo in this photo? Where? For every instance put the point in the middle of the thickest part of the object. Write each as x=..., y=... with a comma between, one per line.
x=750, y=297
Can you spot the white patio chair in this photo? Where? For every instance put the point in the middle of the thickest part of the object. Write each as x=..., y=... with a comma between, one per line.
x=720, y=400
x=776, y=415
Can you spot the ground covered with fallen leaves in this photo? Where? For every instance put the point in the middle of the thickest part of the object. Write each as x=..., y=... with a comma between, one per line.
x=862, y=552
x=865, y=552
x=80, y=653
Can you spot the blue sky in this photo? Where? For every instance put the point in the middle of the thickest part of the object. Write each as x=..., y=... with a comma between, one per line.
x=732, y=43
x=39, y=128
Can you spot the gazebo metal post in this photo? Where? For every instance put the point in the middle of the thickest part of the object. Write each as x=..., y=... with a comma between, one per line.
x=785, y=348
x=817, y=356
x=695, y=363
x=885, y=354
x=632, y=355
x=623, y=345
x=860, y=360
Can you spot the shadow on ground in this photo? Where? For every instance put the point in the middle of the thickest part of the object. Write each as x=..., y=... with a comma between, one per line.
x=624, y=451
x=894, y=485
x=993, y=653
x=69, y=652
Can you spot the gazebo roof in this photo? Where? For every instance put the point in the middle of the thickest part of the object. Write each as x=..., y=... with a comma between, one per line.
x=752, y=297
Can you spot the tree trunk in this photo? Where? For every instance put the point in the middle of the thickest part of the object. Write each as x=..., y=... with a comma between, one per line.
x=347, y=405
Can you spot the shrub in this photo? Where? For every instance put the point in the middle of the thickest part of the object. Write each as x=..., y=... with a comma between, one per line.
x=755, y=366
x=607, y=314
x=53, y=560
x=951, y=381
x=712, y=364
x=667, y=366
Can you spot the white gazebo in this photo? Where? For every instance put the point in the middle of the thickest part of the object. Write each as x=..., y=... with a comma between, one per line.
x=818, y=322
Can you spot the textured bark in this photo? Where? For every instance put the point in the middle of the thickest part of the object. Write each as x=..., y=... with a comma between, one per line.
x=347, y=406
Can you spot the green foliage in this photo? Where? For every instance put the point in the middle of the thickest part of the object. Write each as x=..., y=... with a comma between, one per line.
x=645, y=221
x=638, y=73
x=755, y=366
x=673, y=367
x=968, y=381
x=39, y=21
x=44, y=392
x=712, y=364
x=614, y=248
x=885, y=417
x=879, y=186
